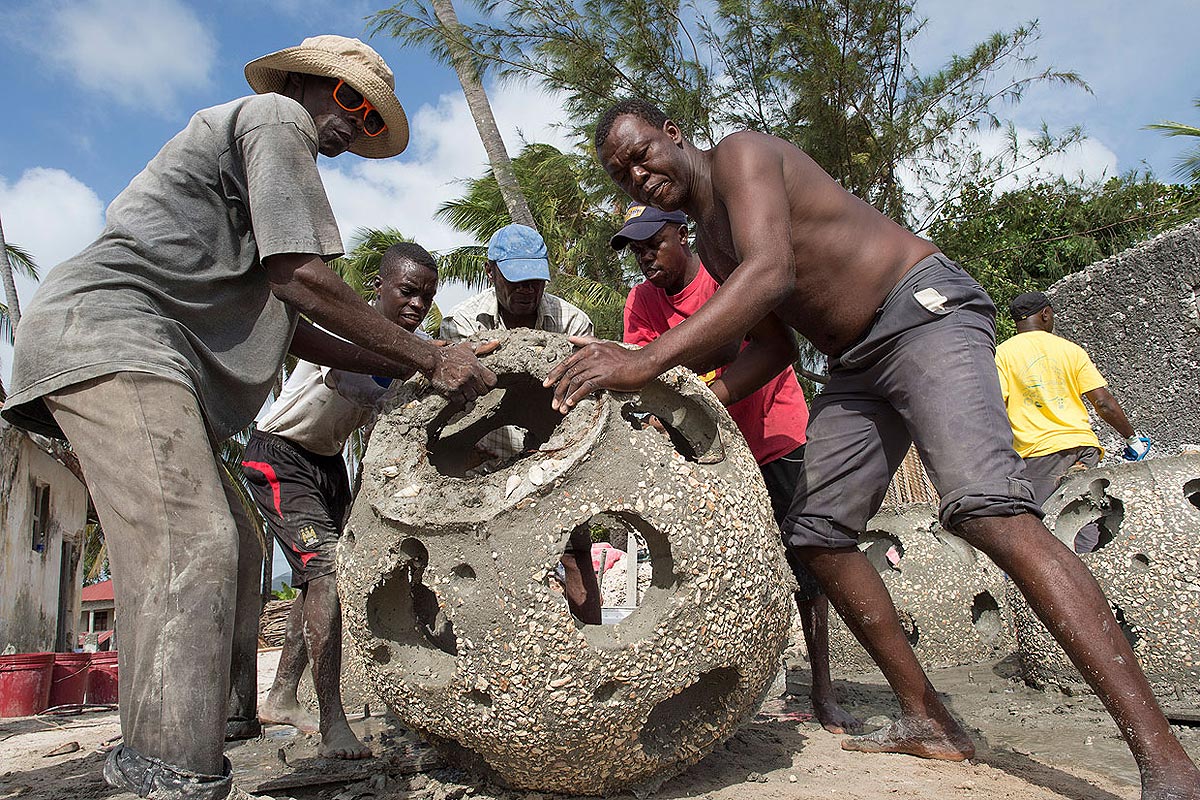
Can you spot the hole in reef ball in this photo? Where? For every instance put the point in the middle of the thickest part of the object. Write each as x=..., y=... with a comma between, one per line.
x=884, y=550
x=1191, y=490
x=1139, y=562
x=681, y=711
x=985, y=616
x=507, y=424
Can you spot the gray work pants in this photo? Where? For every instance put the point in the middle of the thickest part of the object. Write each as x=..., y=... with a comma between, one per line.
x=176, y=532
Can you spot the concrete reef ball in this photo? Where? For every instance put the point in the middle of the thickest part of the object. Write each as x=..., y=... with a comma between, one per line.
x=446, y=581
x=1147, y=564
x=950, y=597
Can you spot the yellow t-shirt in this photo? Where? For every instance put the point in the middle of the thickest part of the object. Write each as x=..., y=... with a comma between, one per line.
x=1043, y=378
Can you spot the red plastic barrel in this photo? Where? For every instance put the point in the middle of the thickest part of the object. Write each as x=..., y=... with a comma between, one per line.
x=25, y=683
x=102, y=678
x=70, y=678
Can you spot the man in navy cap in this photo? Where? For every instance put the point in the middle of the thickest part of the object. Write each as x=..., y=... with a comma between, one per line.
x=772, y=419
x=518, y=270
x=1044, y=379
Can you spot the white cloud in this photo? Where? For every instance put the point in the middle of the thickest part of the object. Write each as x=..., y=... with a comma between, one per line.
x=405, y=192
x=141, y=53
x=51, y=214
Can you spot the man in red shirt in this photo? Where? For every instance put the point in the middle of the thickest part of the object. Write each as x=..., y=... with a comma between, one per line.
x=772, y=419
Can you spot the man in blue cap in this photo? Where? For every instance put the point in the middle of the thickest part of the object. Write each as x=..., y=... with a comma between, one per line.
x=518, y=270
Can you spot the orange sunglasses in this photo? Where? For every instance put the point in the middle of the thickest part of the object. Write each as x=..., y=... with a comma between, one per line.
x=350, y=99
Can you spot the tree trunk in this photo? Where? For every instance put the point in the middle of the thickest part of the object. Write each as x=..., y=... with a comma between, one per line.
x=10, y=286
x=481, y=110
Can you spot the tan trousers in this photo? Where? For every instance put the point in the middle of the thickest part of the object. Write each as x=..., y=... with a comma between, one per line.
x=176, y=533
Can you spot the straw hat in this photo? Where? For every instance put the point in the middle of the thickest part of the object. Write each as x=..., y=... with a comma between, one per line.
x=351, y=61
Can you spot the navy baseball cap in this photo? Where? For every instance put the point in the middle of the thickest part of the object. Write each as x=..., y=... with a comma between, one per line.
x=642, y=222
x=1026, y=305
x=520, y=253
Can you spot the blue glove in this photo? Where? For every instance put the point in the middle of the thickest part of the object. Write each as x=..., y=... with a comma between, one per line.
x=384, y=382
x=1136, y=447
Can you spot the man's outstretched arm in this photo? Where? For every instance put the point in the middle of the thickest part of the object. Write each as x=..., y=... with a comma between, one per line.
x=304, y=282
x=1110, y=411
x=318, y=347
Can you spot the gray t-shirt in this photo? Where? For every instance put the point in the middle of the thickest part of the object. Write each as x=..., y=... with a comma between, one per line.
x=174, y=286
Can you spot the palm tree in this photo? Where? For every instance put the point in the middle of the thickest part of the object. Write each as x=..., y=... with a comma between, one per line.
x=13, y=258
x=575, y=224
x=444, y=37
x=1187, y=166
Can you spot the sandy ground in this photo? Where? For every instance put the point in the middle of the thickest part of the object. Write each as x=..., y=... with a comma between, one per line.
x=1032, y=746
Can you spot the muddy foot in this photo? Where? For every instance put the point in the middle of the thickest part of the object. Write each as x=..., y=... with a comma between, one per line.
x=919, y=738
x=1182, y=787
x=340, y=742
x=272, y=712
x=834, y=718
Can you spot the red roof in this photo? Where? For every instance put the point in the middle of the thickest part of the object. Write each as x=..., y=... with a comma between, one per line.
x=98, y=591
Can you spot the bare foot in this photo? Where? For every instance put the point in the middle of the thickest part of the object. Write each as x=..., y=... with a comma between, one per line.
x=834, y=718
x=275, y=712
x=340, y=742
x=916, y=737
x=1172, y=787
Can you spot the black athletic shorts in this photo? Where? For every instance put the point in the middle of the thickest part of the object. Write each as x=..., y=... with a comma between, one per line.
x=303, y=496
x=781, y=476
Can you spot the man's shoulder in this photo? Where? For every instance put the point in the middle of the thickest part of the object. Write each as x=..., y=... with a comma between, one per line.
x=567, y=317
x=474, y=304
x=464, y=319
x=553, y=301
x=253, y=111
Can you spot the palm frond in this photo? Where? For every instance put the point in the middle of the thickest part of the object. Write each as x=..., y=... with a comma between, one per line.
x=22, y=260
x=433, y=320
x=465, y=264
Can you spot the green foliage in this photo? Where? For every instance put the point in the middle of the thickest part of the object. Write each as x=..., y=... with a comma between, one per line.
x=1028, y=238
x=95, y=555
x=835, y=78
x=575, y=224
x=1187, y=167
x=286, y=592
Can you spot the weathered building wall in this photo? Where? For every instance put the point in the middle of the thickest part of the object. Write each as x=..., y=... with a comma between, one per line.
x=1136, y=315
x=30, y=581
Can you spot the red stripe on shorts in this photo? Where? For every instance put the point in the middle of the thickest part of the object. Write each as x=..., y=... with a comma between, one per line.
x=269, y=473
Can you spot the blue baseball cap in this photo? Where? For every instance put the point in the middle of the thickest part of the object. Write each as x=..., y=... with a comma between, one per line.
x=642, y=222
x=520, y=253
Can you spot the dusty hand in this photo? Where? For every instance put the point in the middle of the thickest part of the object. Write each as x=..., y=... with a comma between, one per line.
x=597, y=365
x=459, y=376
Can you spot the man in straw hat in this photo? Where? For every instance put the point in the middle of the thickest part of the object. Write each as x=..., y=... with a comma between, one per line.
x=164, y=337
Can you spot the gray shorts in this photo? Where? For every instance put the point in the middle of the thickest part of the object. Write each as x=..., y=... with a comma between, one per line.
x=924, y=373
x=1047, y=472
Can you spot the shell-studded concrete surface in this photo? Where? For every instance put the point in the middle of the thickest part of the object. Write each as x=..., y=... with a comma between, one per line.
x=1148, y=565
x=445, y=579
x=950, y=597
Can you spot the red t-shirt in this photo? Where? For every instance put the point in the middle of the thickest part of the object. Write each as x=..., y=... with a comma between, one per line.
x=772, y=419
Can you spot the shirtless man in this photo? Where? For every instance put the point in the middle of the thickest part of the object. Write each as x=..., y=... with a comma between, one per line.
x=910, y=338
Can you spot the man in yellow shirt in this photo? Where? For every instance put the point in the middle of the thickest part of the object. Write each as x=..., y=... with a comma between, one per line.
x=1044, y=379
